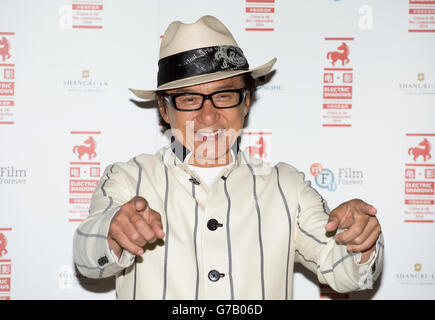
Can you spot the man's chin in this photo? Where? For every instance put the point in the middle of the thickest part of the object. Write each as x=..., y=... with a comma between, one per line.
x=211, y=158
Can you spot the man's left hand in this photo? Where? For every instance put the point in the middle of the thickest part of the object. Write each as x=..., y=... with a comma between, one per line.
x=363, y=228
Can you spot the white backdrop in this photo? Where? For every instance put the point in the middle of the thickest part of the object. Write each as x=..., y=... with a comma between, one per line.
x=361, y=128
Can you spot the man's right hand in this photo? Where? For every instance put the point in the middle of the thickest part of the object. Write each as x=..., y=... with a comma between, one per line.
x=135, y=225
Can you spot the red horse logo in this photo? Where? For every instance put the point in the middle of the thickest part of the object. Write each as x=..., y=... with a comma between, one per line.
x=5, y=46
x=337, y=55
x=90, y=150
x=424, y=152
x=3, y=243
x=260, y=150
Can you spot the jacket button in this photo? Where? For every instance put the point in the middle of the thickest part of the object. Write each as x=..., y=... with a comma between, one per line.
x=194, y=181
x=214, y=275
x=213, y=224
x=102, y=261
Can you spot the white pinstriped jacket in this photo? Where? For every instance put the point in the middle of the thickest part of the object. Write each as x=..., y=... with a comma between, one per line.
x=268, y=219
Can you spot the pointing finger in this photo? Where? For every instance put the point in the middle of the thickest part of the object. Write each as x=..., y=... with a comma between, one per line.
x=140, y=204
x=340, y=217
x=370, y=210
x=361, y=207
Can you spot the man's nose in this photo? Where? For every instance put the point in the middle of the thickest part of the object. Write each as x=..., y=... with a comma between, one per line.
x=209, y=114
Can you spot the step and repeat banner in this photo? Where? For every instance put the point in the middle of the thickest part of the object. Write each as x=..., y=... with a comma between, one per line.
x=351, y=103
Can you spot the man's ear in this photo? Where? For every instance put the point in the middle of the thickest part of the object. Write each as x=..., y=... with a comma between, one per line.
x=163, y=109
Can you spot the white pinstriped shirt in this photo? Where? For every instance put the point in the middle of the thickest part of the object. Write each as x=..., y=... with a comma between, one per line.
x=267, y=218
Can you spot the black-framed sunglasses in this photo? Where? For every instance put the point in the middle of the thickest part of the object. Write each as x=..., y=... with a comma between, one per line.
x=223, y=99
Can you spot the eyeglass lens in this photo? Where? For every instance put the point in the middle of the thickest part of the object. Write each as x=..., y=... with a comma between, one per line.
x=223, y=99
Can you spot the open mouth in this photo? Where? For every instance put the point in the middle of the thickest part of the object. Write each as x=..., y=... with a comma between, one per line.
x=208, y=135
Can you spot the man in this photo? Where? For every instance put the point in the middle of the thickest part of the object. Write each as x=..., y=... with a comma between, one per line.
x=201, y=219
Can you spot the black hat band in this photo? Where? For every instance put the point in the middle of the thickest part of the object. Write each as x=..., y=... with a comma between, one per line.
x=200, y=61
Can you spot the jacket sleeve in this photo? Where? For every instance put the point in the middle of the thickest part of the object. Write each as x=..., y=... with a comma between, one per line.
x=92, y=255
x=319, y=252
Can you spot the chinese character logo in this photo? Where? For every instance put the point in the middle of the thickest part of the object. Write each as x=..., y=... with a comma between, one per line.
x=3, y=243
x=88, y=147
x=5, y=46
x=423, y=152
x=342, y=54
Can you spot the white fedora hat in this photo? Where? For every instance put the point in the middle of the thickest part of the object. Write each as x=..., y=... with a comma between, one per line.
x=200, y=52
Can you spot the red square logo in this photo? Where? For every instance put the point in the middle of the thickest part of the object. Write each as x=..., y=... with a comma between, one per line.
x=347, y=77
x=74, y=172
x=9, y=74
x=328, y=78
x=95, y=172
x=409, y=173
x=5, y=269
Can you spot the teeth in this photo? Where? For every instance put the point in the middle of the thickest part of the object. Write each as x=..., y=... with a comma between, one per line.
x=210, y=134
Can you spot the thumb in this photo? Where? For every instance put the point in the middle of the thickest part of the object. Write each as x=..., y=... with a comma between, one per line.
x=332, y=224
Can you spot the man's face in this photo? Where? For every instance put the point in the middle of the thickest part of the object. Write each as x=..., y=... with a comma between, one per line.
x=209, y=132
